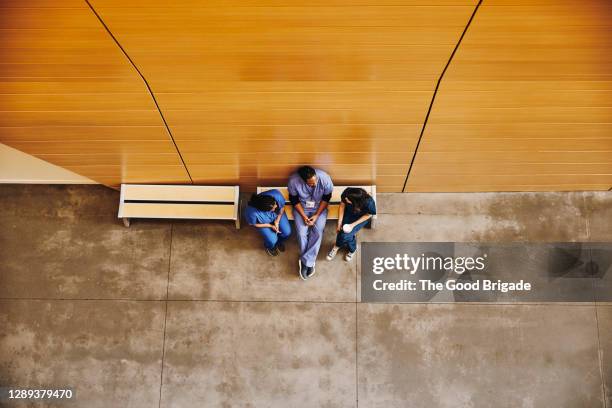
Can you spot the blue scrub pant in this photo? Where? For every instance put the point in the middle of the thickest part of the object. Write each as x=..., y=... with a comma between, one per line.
x=349, y=240
x=309, y=238
x=271, y=238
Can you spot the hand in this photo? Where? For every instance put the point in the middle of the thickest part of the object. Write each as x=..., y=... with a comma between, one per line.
x=347, y=228
x=274, y=228
x=313, y=219
x=338, y=228
x=277, y=225
x=306, y=220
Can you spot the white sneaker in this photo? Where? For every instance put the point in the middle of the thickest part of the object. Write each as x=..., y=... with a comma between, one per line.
x=349, y=256
x=332, y=253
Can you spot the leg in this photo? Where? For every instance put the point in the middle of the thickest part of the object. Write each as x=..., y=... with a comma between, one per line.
x=309, y=256
x=269, y=236
x=285, y=228
x=349, y=240
x=343, y=239
x=301, y=230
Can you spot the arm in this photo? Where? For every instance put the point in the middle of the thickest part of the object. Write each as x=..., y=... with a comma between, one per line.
x=340, y=216
x=263, y=225
x=279, y=216
x=274, y=227
x=280, y=201
x=361, y=219
x=295, y=200
x=322, y=206
x=369, y=212
x=300, y=211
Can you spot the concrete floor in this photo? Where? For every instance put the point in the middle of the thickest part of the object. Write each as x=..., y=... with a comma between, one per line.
x=194, y=314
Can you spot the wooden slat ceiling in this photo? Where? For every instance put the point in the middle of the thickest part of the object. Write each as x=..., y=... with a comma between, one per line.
x=526, y=103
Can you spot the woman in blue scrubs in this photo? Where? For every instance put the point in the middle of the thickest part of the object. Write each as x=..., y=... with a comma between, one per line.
x=266, y=212
x=356, y=209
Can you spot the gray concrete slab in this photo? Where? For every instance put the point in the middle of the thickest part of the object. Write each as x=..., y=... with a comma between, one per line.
x=59, y=200
x=482, y=217
x=83, y=258
x=601, y=270
x=604, y=317
x=212, y=260
x=65, y=242
x=449, y=356
x=262, y=354
x=599, y=215
x=109, y=352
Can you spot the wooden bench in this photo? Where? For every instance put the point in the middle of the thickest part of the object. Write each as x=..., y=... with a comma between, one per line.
x=334, y=204
x=179, y=201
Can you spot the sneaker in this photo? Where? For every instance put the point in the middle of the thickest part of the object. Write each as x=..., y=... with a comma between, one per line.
x=332, y=253
x=310, y=271
x=349, y=256
x=303, y=270
x=272, y=252
x=280, y=246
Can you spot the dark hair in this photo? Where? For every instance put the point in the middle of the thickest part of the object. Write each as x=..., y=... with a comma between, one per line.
x=306, y=172
x=262, y=202
x=358, y=197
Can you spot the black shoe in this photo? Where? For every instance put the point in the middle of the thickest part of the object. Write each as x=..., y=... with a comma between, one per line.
x=280, y=246
x=310, y=271
x=272, y=252
x=303, y=270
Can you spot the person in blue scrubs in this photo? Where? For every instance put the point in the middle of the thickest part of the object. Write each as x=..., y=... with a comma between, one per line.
x=356, y=209
x=266, y=212
x=309, y=191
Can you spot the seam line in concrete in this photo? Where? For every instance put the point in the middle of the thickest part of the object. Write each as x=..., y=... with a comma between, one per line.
x=570, y=304
x=600, y=356
x=587, y=224
x=357, y=270
x=435, y=92
x=161, y=375
x=163, y=118
x=356, y=355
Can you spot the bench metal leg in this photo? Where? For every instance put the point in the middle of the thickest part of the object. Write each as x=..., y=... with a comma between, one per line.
x=372, y=221
x=238, y=223
x=126, y=222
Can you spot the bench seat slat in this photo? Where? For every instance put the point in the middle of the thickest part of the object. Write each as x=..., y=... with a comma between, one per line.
x=179, y=193
x=194, y=211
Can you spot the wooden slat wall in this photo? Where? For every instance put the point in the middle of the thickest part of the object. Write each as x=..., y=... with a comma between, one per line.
x=526, y=103
x=252, y=89
x=70, y=97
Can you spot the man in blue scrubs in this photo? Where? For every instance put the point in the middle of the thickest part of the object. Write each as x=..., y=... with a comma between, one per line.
x=310, y=191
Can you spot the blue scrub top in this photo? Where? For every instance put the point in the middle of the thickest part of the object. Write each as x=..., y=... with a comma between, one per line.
x=255, y=216
x=350, y=216
x=298, y=187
